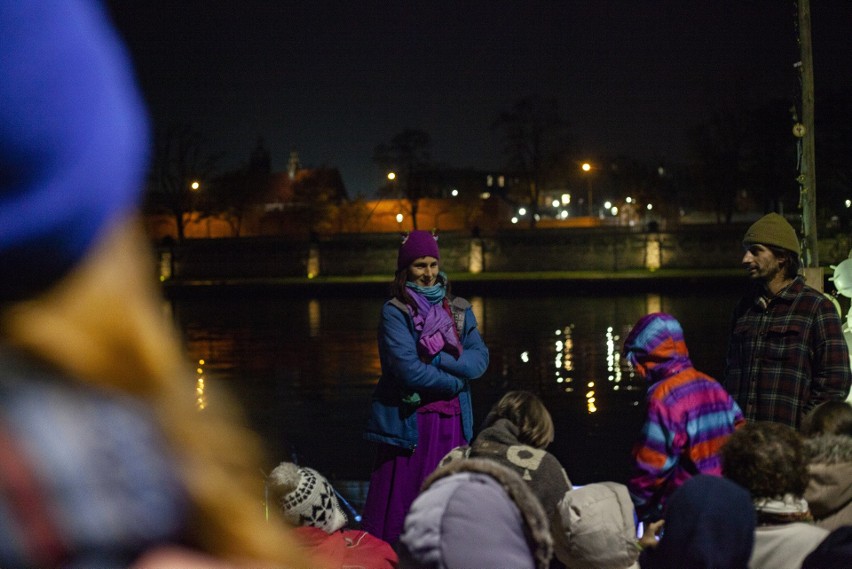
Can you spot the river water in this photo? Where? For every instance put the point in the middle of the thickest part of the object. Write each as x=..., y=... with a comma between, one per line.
x=304, y=367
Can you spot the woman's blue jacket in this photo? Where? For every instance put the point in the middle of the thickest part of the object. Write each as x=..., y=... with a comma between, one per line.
x=394, y=421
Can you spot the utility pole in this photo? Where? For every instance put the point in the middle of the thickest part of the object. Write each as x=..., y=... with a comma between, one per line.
x=807, y=173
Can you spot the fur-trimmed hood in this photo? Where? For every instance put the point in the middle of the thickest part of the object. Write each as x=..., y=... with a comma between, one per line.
x=829, y=449
x=473, y=488
x=829, y=491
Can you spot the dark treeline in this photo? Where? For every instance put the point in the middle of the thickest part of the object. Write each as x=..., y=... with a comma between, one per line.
x=741, y=158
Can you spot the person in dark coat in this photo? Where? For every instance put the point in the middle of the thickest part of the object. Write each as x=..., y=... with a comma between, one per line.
x=709, y=524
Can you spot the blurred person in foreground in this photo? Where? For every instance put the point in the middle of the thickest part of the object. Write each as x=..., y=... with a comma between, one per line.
x=709, y=525
x=104, y=461
x=768, y=459
x=308, y=501
x=786, y=353
x=689, y=415
x=828, y=443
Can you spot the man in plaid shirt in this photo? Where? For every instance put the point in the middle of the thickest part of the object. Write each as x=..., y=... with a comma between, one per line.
x=787, y=353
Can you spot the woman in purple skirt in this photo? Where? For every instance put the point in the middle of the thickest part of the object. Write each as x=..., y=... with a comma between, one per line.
x=430, y=349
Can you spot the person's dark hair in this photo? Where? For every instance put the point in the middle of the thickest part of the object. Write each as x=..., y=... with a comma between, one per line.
x=792, y=263
x=400, y=291
x=829, y=418
x=767, y=459
x=528, y=413
x=398, y=288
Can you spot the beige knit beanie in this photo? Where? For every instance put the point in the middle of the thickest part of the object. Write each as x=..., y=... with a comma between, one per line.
x=306, y=498
x=773, y=229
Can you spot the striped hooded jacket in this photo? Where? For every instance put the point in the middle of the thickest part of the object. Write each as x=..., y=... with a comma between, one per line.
x=689, y=415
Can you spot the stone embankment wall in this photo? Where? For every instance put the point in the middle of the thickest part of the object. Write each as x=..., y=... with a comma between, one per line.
x=712, y=247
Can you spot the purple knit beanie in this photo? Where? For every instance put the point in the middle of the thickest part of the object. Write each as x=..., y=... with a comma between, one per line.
x=417, y=244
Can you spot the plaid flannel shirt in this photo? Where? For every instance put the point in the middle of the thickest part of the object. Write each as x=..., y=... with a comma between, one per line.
x=786, y=355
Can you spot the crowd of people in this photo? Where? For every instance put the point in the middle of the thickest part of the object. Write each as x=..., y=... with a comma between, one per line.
x=104, y=462
x=721, y=469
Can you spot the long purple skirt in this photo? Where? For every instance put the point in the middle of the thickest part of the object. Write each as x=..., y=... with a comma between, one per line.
x=398, y=473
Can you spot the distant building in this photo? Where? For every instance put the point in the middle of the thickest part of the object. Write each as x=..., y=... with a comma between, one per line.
x=297, y=202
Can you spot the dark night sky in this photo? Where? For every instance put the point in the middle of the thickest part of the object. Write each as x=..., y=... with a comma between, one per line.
x=332, y=79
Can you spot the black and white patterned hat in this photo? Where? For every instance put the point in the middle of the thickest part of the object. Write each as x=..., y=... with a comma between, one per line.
x=306, y=498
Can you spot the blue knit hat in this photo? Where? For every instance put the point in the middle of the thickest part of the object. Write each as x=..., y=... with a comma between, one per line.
x=73, y=139
x=710, y=522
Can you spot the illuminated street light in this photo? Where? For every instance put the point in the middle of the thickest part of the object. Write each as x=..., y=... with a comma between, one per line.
x=454, y=193
x=566, y=199
x=391, y=176
x=195, y=185
x=522, y=211
x=651, y=206
x=555, y=203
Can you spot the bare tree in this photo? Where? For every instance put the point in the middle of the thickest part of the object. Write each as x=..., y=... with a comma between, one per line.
x=179, y=171
x=408, y=156
x=718, y=148
x=742, y=157
x=231, y=195
x=535, y=141
x=317, y=195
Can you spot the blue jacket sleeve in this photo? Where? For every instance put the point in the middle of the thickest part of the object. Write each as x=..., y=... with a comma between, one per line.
x=474, y=359
x=398, y=343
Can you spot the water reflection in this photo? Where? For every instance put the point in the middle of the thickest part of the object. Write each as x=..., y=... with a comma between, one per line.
x=653, y=303
x=200, y=388
x=305, y=368
x=477, y=306
x=314, y=317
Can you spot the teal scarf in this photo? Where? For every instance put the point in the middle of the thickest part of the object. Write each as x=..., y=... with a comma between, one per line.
x=435, y=293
